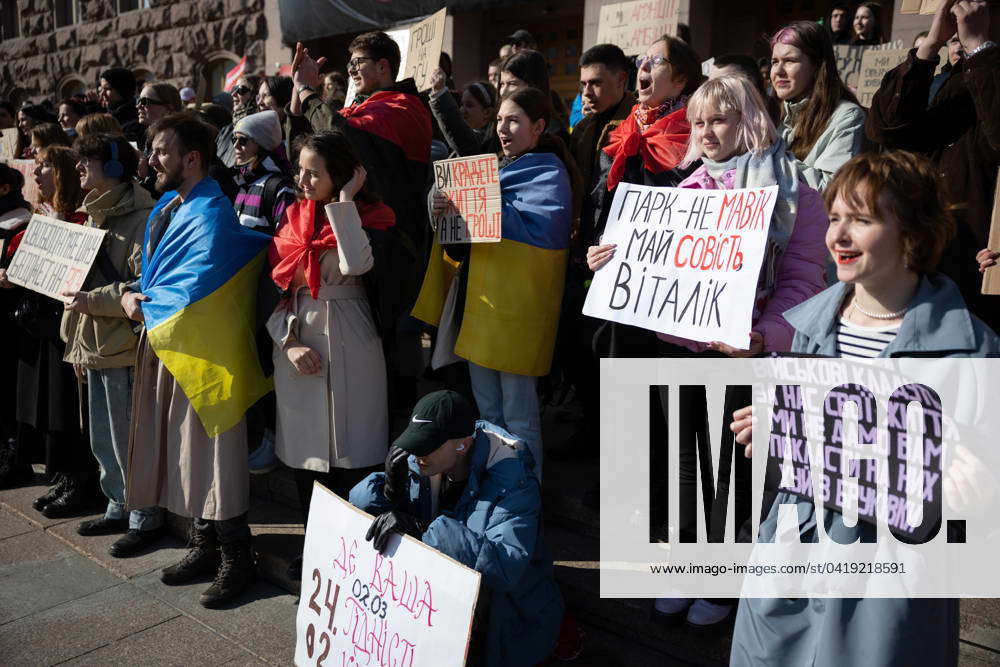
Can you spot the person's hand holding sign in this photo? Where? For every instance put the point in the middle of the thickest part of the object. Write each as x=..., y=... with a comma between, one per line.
x=441, y=203
x=386, y=524
x=987, y=258
x=742, y=426
x=438, y=80
x=130, y=305
x=756, y=347
x=599, y=255
x=4, y=283
x=77, y=302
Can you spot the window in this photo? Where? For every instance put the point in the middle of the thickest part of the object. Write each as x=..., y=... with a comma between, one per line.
x=67, y=12
x=9, y=28
x=130, y=5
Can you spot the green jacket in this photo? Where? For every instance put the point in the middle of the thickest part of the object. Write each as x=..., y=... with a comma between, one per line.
x=104, y=338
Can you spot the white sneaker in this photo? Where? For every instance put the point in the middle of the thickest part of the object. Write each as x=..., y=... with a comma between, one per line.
x=672, y=606
x=704, y=613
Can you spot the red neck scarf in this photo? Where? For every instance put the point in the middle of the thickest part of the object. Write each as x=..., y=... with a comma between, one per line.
x=662, y=145
x=305, y=234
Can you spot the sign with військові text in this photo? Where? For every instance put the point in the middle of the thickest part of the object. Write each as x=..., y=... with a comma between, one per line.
x=472, y=185
x=54, y=256
x=411, y=607
x=687, y=261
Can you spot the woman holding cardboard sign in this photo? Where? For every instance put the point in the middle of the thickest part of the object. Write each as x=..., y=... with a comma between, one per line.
x=502, y=311
x=821, y=121
x=889, y=226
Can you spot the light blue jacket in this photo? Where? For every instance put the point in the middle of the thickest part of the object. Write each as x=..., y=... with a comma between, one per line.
x=851, y=631
x=494, y=529
x=842, y=139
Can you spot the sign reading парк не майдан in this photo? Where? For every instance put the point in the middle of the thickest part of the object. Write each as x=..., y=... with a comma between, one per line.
x=687, y=261
x=633, y=26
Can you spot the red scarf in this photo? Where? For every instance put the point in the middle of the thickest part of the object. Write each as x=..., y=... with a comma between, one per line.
x=297, y=240
x=399, y=118
x=662, y=145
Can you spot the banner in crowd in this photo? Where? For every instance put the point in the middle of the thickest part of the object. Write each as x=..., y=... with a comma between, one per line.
x=30, y=189
x=687, y=261
x=874, y=65
x=633, y=26
x=472, y=185
x=412, y=607
x=8, y=144
x=54, y=256
x=424, y=49
x=849, y=60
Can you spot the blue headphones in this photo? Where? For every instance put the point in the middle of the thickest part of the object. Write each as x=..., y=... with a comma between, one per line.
x=113, y=168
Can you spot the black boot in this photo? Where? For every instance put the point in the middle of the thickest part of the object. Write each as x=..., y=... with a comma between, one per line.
x=203, y=559
x=76, y=499
x=236, y=573
x=54, y=492
x=13, y=472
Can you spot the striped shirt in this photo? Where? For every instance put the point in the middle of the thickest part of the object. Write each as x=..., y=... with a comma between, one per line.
x=251, y=209
x=864, y=342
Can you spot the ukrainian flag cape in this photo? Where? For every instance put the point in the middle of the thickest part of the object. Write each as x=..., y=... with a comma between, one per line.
x=202, y=286
x=515, y=287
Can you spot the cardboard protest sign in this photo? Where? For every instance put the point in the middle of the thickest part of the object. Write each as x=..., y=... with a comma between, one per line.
x=852, y=446
x=424, y=49
x=8, y=143
x=991, y=278
x=412, y=607
x=687, y=261
x=874, y=65
x=54, y=256
x=473, y=188
x=929, y=6
x=30, y=189
x=633, y=26
x=910, y=6
x=849, y=60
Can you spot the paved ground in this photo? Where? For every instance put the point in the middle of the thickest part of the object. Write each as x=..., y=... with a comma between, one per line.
x=64, y=600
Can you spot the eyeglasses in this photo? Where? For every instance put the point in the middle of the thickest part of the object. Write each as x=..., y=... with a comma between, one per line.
x=149, y=101
x=242, y=90
x=655, y=61
x=240, y=141
x=355, y=63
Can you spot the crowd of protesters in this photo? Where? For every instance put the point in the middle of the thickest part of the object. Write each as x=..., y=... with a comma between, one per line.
x=270, y=275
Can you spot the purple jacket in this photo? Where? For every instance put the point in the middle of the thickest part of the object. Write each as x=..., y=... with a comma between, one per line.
x=801, y=270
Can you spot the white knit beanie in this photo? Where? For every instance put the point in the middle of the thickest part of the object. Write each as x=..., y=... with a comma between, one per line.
x=263, y=127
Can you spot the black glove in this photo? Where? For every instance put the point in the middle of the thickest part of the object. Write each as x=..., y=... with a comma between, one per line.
x=395, y=521
x=397, y=476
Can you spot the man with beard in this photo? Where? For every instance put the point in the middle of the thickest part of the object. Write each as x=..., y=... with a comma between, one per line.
x=197, y=369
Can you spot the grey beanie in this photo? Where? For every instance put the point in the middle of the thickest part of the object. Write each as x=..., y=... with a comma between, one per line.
x=263, y=127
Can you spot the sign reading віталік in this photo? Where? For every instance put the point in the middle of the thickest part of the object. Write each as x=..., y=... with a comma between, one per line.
x=472, y=185
x=411, y=607
x=54, y=256
x=633, y=26
x=687, y=261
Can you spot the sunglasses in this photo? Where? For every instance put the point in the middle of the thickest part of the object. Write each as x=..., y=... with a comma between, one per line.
x=242, y=90
x=149, y=101
x=240, y=141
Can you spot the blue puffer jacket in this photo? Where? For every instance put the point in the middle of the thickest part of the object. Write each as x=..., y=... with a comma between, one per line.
x=494, y=529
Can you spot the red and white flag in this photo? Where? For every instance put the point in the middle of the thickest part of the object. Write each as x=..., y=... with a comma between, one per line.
x=233, y=75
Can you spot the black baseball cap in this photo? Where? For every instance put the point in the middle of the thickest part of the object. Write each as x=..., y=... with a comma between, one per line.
x=521, y=37
x=437, y=417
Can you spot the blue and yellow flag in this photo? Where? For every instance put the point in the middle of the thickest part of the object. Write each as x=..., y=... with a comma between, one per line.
x=201, y=281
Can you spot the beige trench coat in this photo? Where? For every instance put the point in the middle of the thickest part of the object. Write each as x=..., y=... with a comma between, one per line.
x=172, y=462
x=338, y=417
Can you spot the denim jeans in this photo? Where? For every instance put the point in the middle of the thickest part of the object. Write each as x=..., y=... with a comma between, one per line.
x=511, y=402
x=110, y=404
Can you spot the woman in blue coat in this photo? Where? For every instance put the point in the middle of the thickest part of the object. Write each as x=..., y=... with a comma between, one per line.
x=888, y=227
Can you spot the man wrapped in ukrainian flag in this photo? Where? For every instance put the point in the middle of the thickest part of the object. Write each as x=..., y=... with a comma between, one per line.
x=197, y=369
